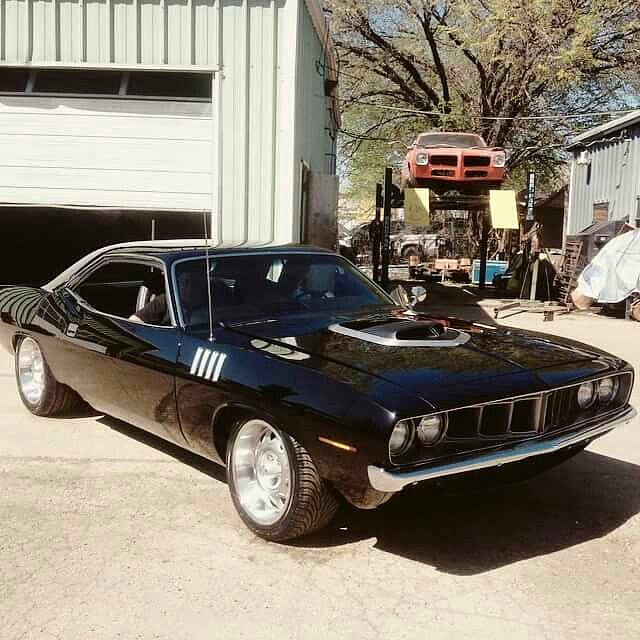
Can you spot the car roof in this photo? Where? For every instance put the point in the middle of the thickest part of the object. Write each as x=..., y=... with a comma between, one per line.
x=169, y=250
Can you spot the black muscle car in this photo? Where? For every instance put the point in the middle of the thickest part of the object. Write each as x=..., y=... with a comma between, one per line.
x=301, y=376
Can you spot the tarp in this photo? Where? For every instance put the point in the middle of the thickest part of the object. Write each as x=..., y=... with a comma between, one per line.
x=614, y=274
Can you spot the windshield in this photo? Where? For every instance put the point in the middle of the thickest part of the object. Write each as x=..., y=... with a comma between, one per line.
x=261, y=287
x=461, y=140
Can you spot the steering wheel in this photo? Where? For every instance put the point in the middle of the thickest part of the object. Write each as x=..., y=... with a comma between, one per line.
x=303, y=296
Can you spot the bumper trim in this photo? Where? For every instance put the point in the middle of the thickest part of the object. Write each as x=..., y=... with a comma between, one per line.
x=391, y=481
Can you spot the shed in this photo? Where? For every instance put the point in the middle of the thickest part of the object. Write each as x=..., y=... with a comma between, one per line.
x=605, y=174
x=144, y=110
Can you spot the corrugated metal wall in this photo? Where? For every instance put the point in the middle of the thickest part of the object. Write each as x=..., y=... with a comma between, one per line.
x=176, y=32
x=314, y=142
x=613, y=176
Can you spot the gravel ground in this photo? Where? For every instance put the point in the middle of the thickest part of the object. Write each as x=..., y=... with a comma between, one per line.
x=111, y=533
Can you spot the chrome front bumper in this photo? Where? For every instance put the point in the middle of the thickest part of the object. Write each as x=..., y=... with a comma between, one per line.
x=390, y=481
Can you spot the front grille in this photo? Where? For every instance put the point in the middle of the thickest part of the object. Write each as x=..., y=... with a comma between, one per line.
x=445, y=161
x=442, y=172
x=498, y=419
x=530, y=415
x=475, y=174
x=476, y=161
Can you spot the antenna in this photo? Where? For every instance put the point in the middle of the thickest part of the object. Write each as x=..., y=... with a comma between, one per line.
x=208, y=263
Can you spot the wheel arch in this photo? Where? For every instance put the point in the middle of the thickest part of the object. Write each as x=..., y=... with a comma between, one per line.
x=16, y=338
x=223, y=421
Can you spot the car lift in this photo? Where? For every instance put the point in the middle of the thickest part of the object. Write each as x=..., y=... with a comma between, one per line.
x=390, y=196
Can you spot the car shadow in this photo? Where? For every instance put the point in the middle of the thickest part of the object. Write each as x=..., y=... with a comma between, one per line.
x=205, y=466
x=471, y=526
x=476, y=529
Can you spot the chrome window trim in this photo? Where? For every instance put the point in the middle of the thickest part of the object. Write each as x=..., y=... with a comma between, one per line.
x=78, y=278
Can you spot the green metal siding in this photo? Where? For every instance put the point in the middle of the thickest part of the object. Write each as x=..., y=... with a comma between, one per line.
x=269, y=86
x=176, y=32
x=314, y=144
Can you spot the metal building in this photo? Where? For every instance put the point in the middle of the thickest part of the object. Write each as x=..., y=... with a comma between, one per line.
x=170, y=107
x=605, y=174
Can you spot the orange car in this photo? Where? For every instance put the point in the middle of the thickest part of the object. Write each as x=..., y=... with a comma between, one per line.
x=443, y=161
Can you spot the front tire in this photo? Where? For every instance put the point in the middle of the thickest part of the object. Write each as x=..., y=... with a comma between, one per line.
x=274, y=485
x=39, y=391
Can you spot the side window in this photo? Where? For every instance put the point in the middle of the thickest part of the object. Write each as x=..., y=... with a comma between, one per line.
x=600, y=211
x=123, y=288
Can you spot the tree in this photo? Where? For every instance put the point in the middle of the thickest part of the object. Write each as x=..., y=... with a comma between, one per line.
x=499, y=68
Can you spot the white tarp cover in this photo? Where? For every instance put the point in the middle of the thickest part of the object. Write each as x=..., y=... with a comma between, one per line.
x=614, y=274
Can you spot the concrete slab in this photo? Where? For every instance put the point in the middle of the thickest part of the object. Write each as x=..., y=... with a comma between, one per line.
x=110, y=533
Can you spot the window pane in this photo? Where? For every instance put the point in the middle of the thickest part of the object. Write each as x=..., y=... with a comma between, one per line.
x=601, y=212
x=170, y=84
x=82, y=82
x=115, y=287
x=272, y=286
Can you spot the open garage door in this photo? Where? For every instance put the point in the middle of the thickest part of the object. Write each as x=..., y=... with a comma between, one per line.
x=106, y=153
x=39, y=243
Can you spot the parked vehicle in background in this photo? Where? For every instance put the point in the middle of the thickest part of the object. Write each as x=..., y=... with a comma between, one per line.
x=448, y=160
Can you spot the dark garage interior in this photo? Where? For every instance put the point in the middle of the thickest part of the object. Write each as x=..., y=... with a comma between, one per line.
x=41, y=242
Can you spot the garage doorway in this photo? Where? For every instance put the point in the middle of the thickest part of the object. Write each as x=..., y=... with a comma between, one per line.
x=38, y=243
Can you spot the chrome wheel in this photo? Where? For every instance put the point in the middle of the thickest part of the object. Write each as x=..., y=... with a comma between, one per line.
x=31, y=373
x=261, y=472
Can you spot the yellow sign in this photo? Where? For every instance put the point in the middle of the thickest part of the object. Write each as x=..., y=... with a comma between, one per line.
x=416, y=207
x=504, y=213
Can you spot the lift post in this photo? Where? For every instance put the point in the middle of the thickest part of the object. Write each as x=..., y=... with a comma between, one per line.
x=375, y=234
x=484, y=246
x=386, y=227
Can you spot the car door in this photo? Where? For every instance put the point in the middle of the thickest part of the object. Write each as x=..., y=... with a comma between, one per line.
x=121, y=367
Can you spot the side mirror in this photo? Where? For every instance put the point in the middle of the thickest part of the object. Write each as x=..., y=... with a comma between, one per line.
x=400, y=297
x=418, y=294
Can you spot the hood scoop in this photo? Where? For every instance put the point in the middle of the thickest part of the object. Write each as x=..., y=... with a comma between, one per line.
x=402, y=333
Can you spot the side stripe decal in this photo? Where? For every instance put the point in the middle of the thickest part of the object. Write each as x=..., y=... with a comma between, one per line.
x=212, y=363
x=218, y=370
x=196, y=360
x=208, y=364
x=203, y=363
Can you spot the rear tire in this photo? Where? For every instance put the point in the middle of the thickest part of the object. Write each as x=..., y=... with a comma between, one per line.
x=39, y=391
x=274, y=484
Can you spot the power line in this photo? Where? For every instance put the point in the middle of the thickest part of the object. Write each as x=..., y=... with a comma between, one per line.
x=566, y=116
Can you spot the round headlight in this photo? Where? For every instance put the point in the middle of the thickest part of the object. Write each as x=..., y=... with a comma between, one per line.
x=607, y=390
x=586, y=395
x=499, y=160
x=429, y=429
x=401, y=438
x=422, y=158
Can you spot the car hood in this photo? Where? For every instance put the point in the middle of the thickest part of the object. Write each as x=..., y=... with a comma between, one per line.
x=429, y=353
